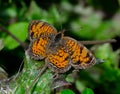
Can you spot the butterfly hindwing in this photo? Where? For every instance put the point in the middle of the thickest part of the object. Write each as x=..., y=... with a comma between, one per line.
x=81, y=57
x=58, y=60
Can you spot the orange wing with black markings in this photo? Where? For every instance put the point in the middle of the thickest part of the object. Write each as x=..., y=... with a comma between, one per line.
x=39, y=29
x=60, y=52
x=40, y=34
x=81, y=57
x=58, y=60
x=37, y=49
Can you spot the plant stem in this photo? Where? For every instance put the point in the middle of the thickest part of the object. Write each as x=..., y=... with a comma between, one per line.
x=24, y=45
x=97, y=42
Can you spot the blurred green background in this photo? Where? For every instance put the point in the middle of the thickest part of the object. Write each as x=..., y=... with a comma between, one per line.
x=82, y=20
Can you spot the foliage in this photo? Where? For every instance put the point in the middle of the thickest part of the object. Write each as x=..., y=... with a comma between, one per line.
x=83, y=20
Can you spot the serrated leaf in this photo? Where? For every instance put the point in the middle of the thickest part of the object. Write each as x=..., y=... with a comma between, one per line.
x=19, y=30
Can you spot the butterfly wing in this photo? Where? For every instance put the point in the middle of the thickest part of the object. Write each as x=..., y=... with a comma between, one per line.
x=38, y=48
x=40, y=34
x=58, y=59
x=81, y=57
x=39, y=29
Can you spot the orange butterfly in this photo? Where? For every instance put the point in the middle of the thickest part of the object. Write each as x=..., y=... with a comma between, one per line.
x=60, y=52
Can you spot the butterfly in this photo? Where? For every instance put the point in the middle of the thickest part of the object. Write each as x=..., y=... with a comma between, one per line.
x=59, y=52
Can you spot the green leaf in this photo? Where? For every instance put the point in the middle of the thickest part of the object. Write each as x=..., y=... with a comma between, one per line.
x=35, y=12
x=88, y=91
x=110, y=57
x=11, y=11
x=80, y=85
x=30, y=71
x=67, y=91
x=19, y=30
x=1, y=44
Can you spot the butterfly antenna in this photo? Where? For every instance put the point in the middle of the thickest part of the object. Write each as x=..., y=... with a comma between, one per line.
x=98, y=41
x=24, y=45
x=36, y=78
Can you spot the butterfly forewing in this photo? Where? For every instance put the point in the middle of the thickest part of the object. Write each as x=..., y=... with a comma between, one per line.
x=41, y=35
x=39, y=29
